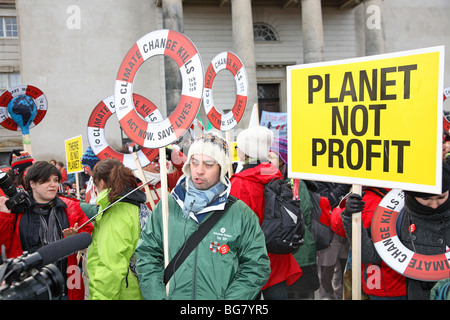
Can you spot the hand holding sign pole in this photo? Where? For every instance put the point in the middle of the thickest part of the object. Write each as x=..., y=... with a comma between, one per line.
x=160, y=134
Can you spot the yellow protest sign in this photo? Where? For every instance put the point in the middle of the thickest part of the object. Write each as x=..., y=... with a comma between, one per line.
x=74, y=151
x=373, y=121
x=234, y=154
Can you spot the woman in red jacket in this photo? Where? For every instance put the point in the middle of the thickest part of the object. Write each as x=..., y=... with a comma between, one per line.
x=378, y=281
x=48, y=219
x=248, y=185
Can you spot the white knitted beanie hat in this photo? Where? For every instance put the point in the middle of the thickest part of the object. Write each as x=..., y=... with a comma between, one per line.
x=212, y=145
x=255, y=142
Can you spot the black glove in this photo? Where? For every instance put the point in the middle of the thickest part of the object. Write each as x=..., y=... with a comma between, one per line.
x=353, y=204
x=168, y=154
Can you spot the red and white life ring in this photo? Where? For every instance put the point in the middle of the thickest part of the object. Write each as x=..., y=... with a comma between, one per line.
x=394, y=253
x=226, y=61
x=177, y=46
x=446, y=122
x=96, y=134
x=446, y=93
x=39, y=99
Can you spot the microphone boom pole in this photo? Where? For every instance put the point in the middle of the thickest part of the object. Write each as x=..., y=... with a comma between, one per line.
x=111, y=204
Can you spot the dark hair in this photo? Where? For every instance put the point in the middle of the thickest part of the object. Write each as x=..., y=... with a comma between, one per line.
x=116, y=176
x=18, y=179
x=40, y=172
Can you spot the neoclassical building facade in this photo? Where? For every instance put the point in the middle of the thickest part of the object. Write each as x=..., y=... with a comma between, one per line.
x=72, y=52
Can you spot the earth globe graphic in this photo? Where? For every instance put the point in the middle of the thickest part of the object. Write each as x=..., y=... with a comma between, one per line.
x=22, y=110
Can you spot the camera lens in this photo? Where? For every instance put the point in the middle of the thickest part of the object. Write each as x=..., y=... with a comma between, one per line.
x=43, y=285
x=6, y=185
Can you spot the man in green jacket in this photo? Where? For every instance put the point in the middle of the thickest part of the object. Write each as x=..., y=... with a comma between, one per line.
x=230, y=262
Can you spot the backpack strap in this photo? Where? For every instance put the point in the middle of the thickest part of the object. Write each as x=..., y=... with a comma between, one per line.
x=195, y=239
x=398, y=223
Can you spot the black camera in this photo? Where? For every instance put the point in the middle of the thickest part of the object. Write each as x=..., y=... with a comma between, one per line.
x=24, y=279
x=17, y=198
x=34, y=276
x=43, y=284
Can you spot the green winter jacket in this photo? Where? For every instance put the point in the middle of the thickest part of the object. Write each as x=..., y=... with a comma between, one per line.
x=307, y=252
x=114, y=239
x=206, y=273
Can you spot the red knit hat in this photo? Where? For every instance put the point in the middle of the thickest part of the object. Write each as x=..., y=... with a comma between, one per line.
x=20, y=162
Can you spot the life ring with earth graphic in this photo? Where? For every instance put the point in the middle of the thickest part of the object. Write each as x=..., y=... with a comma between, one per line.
x=16, y=92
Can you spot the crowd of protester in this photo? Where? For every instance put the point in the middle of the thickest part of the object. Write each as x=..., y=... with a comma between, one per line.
x=126, y=257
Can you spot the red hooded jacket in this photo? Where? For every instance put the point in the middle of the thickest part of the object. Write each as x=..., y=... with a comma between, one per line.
x=248, y=185
x=388, y=283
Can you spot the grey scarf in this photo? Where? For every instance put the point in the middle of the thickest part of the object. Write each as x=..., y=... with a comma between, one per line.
x=49, y=222
x=196, y=200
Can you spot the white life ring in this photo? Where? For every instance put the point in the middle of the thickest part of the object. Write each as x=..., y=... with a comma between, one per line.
x=96, y=134
x=226, y=61
x=177, y=46
x=394, y=253
x=39, y=99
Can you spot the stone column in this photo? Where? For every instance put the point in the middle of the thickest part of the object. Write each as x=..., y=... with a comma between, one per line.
x=172, y=19
x=374, y=30
x=312, y=30
x=244, y=47
x=360, y=27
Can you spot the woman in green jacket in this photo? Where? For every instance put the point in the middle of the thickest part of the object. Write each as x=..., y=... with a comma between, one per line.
x=116, y=234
